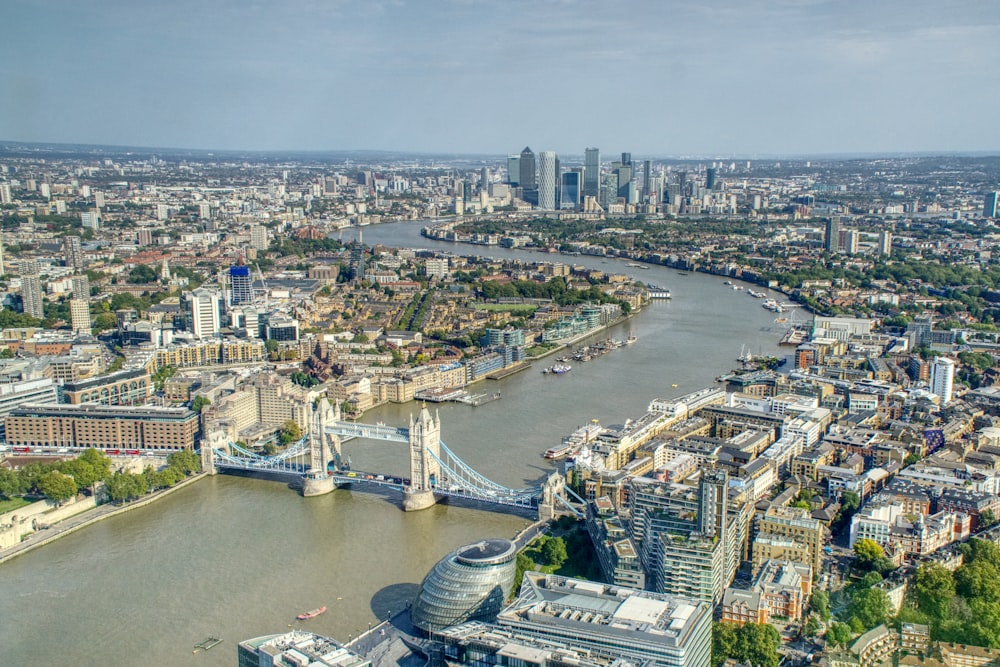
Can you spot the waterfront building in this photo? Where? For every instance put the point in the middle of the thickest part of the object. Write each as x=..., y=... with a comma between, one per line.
x=15, y=394
x=611, y=623
x=942, y=378
x=102, y=426
x=469, y=584
x=297, y=648
x=592, y=172
x=548, y=172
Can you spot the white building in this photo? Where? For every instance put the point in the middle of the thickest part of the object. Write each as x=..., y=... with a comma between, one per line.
x=942, y=378
x=547, y=177
x=203, y=305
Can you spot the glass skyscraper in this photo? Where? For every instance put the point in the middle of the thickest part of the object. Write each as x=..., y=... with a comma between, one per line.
x=547, y=174
x=592, y=172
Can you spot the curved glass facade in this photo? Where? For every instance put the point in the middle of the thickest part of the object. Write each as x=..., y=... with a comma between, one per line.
x=469, y=584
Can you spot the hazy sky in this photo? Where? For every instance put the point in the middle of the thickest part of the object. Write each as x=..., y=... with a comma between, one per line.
x=664, y=77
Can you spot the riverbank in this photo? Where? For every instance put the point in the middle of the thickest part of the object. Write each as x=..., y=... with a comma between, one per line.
x=84, y=519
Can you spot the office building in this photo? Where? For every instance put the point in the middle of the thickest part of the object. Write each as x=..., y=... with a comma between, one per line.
x=547, y=174
x=102, y=426
x=203, y=312
x=513, y=169
x=469, y=584
x=129, y=387
x=15, y=394
x=297, y=648
x=942, y=378
x=569, y=190
x=831, y=241
x=240, y=285
x=627, y=159
x=990, y=205
x=31, y=289
x=73, y=252
x=528, y=180
x=710, y=176
x=592, y=172
x=611, y=624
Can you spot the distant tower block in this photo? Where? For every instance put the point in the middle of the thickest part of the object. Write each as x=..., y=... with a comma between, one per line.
x=425, y=472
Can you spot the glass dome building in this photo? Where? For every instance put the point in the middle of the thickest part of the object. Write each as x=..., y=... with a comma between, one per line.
x=469, y=584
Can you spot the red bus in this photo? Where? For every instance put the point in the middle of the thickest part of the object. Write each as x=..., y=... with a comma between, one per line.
x=22, y=450
x=112, y=451
x=132, y=452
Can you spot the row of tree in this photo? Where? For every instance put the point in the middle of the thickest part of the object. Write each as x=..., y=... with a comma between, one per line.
x=57, y=481
x=123, y=486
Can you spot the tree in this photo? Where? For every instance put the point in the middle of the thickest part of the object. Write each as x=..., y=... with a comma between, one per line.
x=987, y=519
x=290, y=432
x=868, y=552
x=820, y=603
x=723, y=642
x=12, y=483
x=199, y=403
x=934, y=588
x=270, y=449
x=811, y=628
x=757, y=644
x=186, y=461
x=978, y=579
x=522, y=565
x=56, y=486
x=839, y=634
x=84, y=474
x=554, y=551
x=870, y=606
x=142, y=274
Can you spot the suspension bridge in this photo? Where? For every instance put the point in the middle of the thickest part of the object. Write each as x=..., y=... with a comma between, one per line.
x=435, y=471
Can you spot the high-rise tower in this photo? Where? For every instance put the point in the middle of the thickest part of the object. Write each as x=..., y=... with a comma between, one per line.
x=592, y=172
x=547, y=168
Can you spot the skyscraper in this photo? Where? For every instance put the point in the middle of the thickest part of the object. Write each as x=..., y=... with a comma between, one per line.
x=258, y=237
x=942, y=378
x=627, y=159
x=240, y=284
x=31, y=289
x=710, y=176
x=592, y=172
x=81, y=287
x=547, y=175
x=484, y=179
x=569, y=190
x=513, y=169
x=990, y=205
x=527, y=164
x=831, y=242
x=73, y=252
x=647, y=178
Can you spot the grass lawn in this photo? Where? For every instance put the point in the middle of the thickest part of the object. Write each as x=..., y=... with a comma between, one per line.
x=12, y=504
x=582, y=561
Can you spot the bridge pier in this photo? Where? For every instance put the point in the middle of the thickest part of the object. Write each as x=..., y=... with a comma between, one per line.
x=418, y=500
x=317, y=486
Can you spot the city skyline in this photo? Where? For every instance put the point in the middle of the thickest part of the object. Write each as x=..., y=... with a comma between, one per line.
x=792, y=77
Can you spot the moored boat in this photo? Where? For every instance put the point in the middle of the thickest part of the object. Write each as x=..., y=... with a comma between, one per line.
x=311, y=614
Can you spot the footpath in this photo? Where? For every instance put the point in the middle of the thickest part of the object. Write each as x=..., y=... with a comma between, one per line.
x=84, y=519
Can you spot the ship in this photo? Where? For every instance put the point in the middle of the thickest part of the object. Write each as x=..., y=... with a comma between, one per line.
x=557, y=369
x=311, y=614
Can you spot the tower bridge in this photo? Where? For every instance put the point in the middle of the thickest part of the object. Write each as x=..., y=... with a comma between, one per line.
x=435, y=470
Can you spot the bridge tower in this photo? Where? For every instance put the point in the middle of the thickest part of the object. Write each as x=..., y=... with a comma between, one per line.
x=425, y=472
x=323, y=448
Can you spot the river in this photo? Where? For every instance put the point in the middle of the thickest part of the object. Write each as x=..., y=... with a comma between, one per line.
x=236, y=557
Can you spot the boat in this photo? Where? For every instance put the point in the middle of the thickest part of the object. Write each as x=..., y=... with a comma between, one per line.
x=631, y=338
x=311, y=614
x=557, y=369
x=558, y=452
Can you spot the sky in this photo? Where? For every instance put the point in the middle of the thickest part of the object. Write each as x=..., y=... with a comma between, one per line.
x=654, y=77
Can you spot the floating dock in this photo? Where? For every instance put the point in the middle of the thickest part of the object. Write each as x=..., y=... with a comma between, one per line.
x=207, y=643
